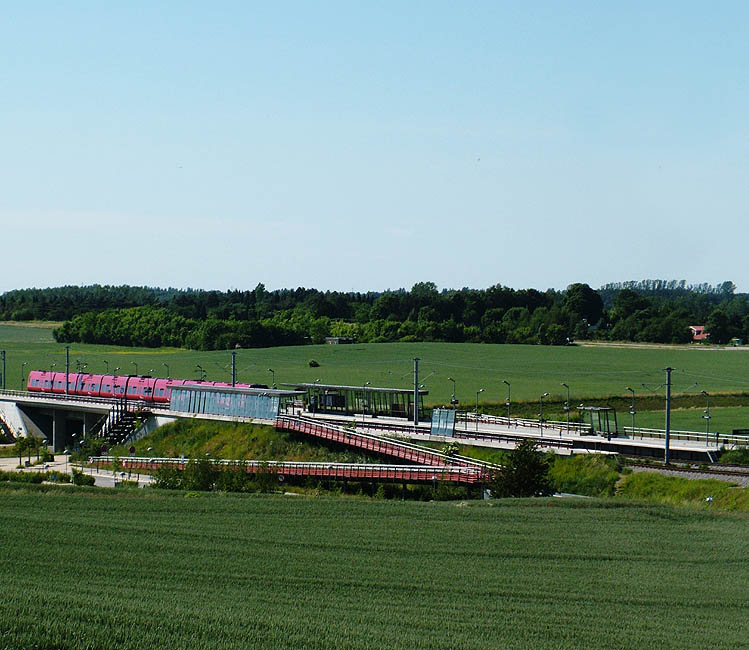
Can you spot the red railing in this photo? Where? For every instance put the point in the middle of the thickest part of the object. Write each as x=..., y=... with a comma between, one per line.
x=380, y=445
x=332, y=471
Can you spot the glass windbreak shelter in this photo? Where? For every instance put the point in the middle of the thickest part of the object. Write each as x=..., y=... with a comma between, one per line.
x=230, y=401
x=370, y=400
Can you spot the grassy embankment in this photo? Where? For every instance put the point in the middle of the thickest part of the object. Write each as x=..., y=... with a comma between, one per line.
x=586, y=474
x=144, y=568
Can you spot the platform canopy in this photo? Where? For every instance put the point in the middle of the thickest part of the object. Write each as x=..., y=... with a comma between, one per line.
x=369, y=400
x=604, y=415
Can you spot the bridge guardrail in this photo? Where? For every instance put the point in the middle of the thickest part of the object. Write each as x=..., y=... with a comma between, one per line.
x=713, y=438
x=465, y=475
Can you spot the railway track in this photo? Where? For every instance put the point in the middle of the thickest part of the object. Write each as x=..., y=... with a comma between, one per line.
x=728, y=471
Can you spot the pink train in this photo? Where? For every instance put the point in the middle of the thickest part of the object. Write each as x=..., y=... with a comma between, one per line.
x=142, y=389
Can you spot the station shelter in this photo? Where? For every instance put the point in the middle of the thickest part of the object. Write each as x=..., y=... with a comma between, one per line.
x=369, y=400
x=233, y=401
x=601, y=419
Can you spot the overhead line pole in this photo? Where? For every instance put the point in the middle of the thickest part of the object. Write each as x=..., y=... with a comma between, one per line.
x=416, y=391
x=67, y=369
x=667, y=456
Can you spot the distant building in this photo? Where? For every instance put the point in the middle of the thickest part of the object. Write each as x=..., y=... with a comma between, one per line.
x=699, y=333
x=338, y=340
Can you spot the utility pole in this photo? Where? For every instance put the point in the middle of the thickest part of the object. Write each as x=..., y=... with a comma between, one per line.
x=416, y=391
x=233, y=367
x=667, y=457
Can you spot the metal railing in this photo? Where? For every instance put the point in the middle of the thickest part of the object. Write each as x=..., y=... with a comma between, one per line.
x=379, y=444
x=354, y=471
x=109, y=401
x=713, y=438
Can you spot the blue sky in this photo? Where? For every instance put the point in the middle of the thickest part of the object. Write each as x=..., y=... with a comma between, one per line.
x=365, y=146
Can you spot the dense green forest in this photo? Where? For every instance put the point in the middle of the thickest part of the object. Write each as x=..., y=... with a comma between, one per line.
x=649, y=311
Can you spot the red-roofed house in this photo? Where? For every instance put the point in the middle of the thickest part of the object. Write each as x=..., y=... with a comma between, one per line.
x=699, y=333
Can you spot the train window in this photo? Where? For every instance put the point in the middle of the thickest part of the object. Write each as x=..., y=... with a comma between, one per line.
x=132, y=390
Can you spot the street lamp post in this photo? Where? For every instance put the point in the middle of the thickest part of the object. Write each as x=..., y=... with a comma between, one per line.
x=23, y=374
x=541, y=413
x=273, y=373
x=567, y=409
x=507, y=402
x=106, y=363
x=364, y=400
x=632, y=411
x=707, y=416
x=478, y=392
x=202, y=372
x=453, y=399
x=168, y=374
x=136, y=367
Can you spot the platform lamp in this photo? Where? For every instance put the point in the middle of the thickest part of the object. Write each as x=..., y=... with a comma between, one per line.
x=478, y=392
x=566, y=408
x=106, y=363
x=632, y=411
x=136, y=367
x=23, y=374
x=166, y=365
x=541, y=413
x=273, y=373
x=364, y=400
x=453, y=399
x=507, y=403
x=707, y=415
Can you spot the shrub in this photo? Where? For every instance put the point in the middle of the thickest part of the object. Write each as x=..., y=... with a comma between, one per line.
x=313, y=364
x=525, y=473
x=589, y=474
x=167, y=477
x=79, y=478
x=735, y=457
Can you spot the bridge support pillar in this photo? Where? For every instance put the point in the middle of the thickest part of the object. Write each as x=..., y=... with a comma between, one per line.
x=59, y=430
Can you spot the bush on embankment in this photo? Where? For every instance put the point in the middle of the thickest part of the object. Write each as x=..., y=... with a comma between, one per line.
x=593, y=475
x=735, y=457
x=674, y=490
x=34, y=477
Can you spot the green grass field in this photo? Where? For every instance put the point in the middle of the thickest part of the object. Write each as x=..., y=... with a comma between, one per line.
x=96, y=569
x=590, y=371
x=723, y=419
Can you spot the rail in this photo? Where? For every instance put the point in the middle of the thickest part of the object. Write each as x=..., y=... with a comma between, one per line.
x=110, y=401
x=712, y=438
x=556, y=443
x=333, y=471
x=501, y=420
x=560, y=443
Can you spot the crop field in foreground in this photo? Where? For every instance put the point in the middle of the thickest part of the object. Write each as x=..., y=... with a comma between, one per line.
x=590, y=371
x=95, y=569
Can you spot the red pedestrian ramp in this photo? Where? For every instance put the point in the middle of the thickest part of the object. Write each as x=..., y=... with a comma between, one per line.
x=378, y=444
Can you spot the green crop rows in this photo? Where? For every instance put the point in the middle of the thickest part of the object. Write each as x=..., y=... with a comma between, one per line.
x=83, y=569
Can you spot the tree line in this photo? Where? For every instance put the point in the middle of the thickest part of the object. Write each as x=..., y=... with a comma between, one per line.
x=648, y=311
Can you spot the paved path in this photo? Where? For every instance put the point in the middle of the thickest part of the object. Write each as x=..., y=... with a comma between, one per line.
x=103, y=478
